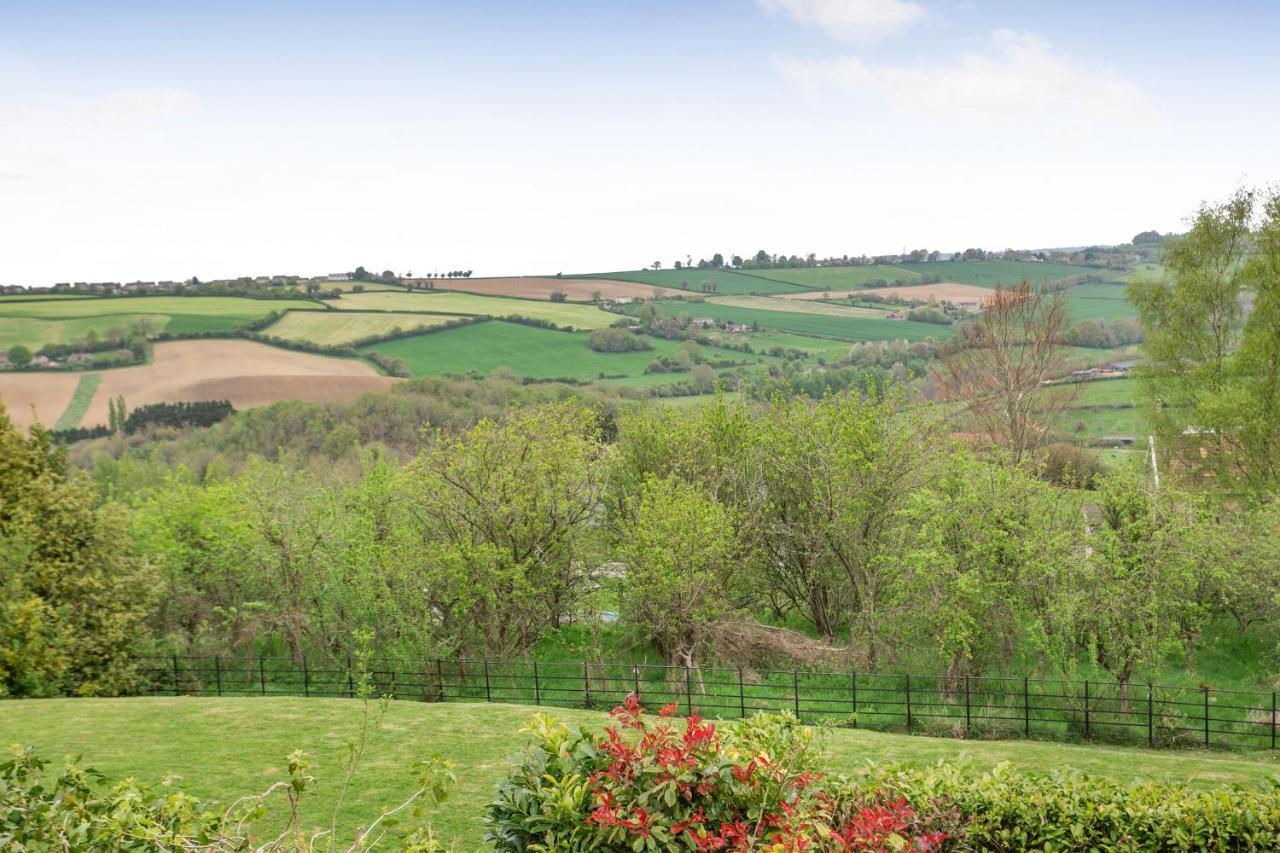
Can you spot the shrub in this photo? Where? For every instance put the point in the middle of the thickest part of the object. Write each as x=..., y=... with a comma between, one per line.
x=612, y=339
x=684, y=784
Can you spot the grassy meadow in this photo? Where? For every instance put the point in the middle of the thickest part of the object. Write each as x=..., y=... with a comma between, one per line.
x=453, y=302
x=338, y=328
x=227, y=748
x=728, y=282
x=824, y=325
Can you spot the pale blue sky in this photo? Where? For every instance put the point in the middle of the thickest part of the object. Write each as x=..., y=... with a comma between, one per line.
x=162, y=140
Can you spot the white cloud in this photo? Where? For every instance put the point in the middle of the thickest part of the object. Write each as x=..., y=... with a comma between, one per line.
x=162, y=102
x=851, y=20
x=1020, y=76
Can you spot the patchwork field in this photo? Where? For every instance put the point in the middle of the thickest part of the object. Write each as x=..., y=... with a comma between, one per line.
x=788, y=304
x=560, y=313
x=541, y=287
x=246, y=373
x=35, y=323
x=728, y=282
x=525, y=350
x=848, y=328
x=336, y=328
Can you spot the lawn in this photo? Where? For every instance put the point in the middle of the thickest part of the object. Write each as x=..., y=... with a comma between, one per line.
x=226, y=748
x=821, y=325
x=452, y=302
x=728, y=282
x=526, y=350
x=337, y=328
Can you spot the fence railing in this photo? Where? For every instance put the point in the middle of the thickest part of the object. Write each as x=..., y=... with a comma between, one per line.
x=956, y=706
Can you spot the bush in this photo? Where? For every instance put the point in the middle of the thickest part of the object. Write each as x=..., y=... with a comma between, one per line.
x=1008, y=810
x=684, y=784
x=614, y=339
x=1072, y=466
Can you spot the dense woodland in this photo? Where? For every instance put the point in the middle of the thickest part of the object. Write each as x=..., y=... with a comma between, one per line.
x=868, y=526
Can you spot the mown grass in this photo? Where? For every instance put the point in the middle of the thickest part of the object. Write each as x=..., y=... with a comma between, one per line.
x=227, y=748
x=79, y=402
x=560, y=313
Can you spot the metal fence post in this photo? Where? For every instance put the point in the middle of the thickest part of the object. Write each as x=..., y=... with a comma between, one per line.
x=537, y=689
x=1026, y=706
x=1273, y=719
x=635, y=676
x=1086, y=708
x=175, y=675
x=586, y=686
x=967, y=719
x=217, y=672
x=1151, y=717
x=351, y=679
x=1206, y=716
x=440, y=677
x=306, y=678
x=742, y=696
x=688, y=693
x=907, y=679
x=262, y=675
x=795, y=691
x=488, y=694
x=853, y=691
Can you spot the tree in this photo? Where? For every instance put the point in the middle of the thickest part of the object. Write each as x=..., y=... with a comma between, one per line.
x=681, y=552
x=19, y=355
x=75, y=596
x=360, y=274
x=717, y=261
x=1004, y=362
x=1211, y=375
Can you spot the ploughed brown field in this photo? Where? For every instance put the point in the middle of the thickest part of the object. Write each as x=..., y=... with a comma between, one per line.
x=574, y=289
x=46, y=393
x=949, y=291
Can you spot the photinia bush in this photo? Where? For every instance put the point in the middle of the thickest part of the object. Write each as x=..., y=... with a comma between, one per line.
x=671, y=783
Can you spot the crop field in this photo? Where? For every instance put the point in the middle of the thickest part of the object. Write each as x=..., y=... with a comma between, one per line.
x=32, y=397
x=728, y=282
x=764, y=340
x=949, y=291
x=991, y=273
x=560, y=313
x=836, y=278
x=843, y=328
x=59, y=321
x=244, y=372
x=541, y=287
x=228, y=748
x=796, y=306
x=1099, y=302
x=525, y=350
x=336, y=328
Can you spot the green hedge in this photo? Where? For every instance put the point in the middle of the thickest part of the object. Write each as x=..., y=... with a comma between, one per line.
x=1007, y=809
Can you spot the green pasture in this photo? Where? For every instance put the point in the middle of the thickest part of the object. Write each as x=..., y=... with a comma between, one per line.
x=227, y=748
x=728, y=282
x=1099, y=302
x=842, y=328
x=451, y=302
x=991, y=273
x=839, y=278
x=337, y=328
x=526, y=351
x=80, y=400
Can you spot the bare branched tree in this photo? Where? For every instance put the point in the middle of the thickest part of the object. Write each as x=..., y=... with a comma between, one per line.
x=1003, y=367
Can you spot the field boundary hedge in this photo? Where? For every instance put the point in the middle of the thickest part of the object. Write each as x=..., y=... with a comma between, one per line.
x=1167, y=716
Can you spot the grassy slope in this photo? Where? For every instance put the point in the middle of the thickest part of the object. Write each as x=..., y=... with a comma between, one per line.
x=844, y=328
x=838, y=278
x=728, y=282
x=80, y=400
x=1099, y=302
x=225, y=748
x=526, y=350
x=991, y=273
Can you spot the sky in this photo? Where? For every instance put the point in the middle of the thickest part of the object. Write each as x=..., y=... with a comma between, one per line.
x=161, y=140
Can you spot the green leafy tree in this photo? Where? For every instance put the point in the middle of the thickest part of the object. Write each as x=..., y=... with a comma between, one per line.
x=19, y=355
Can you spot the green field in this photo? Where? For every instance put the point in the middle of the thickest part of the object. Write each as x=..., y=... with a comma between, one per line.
x=560, y=313
x=728, y=282
x=80, y=400
x=822, y=325
x=227, y=748
x=991, y=273
x=336, y=328
x=526, y=351
x=838, y=278
x=1099, y=302
x=60, y=321
x=799, y=306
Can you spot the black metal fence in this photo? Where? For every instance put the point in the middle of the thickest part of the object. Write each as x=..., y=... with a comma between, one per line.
x=971, y=707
